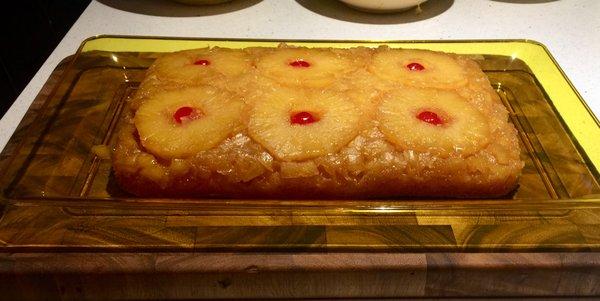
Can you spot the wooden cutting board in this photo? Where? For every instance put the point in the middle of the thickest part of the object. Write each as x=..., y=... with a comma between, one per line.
x=69, y=248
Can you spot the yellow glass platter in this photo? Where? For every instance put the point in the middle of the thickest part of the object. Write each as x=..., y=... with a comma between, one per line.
x=58, y=191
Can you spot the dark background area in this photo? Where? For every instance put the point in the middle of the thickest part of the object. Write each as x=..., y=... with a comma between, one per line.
x=31, y=29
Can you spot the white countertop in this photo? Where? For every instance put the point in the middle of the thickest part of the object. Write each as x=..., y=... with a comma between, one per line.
x=569, y=28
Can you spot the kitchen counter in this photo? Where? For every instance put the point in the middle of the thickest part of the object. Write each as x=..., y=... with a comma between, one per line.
x=62, y=249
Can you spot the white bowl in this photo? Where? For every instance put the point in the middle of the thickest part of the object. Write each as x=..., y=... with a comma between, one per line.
x=383, y=6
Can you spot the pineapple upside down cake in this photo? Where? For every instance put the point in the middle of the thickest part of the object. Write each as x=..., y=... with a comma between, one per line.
x=291, y=122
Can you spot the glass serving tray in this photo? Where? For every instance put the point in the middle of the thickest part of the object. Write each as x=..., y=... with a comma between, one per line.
x=58, y=194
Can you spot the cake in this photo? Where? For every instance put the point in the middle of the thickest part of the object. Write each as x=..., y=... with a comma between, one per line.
x=294, y=122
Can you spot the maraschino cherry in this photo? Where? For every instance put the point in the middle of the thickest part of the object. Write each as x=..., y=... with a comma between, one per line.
x=184, y=113
x=300, y=64
x=430, y=117
x=415, y=67
x=202, y=62
x=303, y=118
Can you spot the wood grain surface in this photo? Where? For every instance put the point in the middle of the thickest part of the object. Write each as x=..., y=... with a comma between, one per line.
x=65, y=235
x=144, y=276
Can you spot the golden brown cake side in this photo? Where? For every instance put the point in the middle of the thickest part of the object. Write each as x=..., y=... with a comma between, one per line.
x=298, y=122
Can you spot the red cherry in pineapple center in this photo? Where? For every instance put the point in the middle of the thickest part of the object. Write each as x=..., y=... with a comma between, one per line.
x=202, y=62
x=430, y=117
x=415, y=67
x=300, y=64
x=185, y=113
x=302, y=118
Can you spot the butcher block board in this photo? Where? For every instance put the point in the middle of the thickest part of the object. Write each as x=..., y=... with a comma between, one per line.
x=67, y=229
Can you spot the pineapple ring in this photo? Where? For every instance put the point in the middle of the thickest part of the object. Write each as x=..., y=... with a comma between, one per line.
x=200, y=65
x=164, y=133
x=418, y=68
x=435, y=121
x=301, y=66
x=271, y=123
